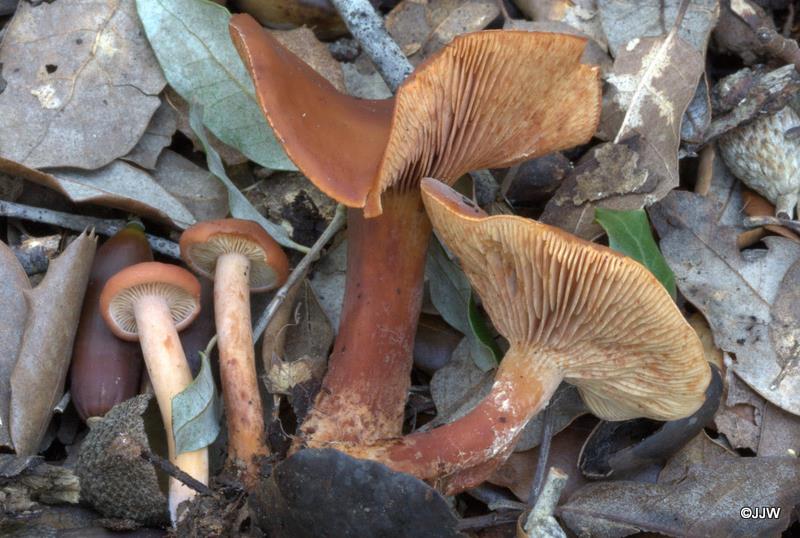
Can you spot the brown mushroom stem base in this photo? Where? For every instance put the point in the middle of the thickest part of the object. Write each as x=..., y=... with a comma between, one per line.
x=364, y=391
x=523, y=385
x=237, y=364
x=169, y=374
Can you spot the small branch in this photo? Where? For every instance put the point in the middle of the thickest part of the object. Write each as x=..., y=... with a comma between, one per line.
x=78, y=223
x=757, y=222
x=175, y=472
x=299, y=272
x=779, y=47
x=540, y=522
x=367, y=27
x=489, y=520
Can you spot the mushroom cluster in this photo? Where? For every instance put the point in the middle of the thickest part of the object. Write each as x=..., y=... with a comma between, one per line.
x=488, y=99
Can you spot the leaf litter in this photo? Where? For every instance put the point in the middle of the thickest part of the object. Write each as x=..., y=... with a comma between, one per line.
x=670, y=92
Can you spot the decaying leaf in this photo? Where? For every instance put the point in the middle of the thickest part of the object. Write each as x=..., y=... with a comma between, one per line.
x=705, y=501
x=736, y=291
x=196, y=412
x=303, y=43
x=240, y=207
x=317, y=14
x=74, y=73
x=434, y=343
x=156, y=137
x=652, y=83
x=296, y=343
x=579, y=14
x=518, y=471
x=422, y=28
x=328, y=282
x=370, y=500
x=54, y=307
x=27, y=481
x=195, y=188
x=14, y=285
x=192, y=44
x=628, y=20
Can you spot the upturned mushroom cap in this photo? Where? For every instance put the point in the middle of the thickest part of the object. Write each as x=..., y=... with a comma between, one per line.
x=614, y=329
x=203, y=243
x=488, y=99
x=177, y=286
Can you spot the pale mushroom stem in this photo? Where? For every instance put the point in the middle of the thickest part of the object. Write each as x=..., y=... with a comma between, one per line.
x=364, y=391
x=237, y=365
x=169, y=374
x=523, y=385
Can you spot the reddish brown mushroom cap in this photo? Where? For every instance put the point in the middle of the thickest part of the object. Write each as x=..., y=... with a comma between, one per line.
x=487, y=99
x=600, y=317
x=203, y=243
x=179, y=288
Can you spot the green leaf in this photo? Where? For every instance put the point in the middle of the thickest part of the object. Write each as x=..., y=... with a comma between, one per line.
x=629, y=233
x=241, y=208
x=451, y=294
x=196, y=412
x=191, y=41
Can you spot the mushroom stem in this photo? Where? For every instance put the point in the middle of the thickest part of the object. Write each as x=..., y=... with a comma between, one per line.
x=169, y=374
x=521, y=388
x=364, y=391
x=237, y=365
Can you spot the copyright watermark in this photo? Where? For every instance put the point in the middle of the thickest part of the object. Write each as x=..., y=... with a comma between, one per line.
x=760, y=512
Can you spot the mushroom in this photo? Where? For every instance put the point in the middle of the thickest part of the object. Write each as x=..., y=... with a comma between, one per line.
x=488, y=99
x=570, y=310
x=241, y=257
x=150, y=302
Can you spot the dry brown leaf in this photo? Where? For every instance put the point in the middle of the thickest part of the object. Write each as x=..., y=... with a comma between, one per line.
x=739, y=417
x=317, y=14
x=749, y=298
x=156, y=137
x=422, y=28
x=197, y=189
x=75, y=74
x=713, y=354
x=13, y=286
x=756, y=205
x=118, y=185
x=581, y=15
x=54, y=307
x=652, y=83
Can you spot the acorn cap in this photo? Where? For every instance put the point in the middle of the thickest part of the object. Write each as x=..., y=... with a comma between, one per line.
x=618, y=335
x=488, y=99
x=203, y=243
x=177, y=286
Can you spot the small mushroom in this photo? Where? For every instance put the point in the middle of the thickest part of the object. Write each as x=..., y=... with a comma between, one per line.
x=571, y=310
x=150, y=302
x=488, y=99
x=241, y=257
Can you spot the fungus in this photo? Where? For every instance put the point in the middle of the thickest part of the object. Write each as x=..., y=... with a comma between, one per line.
x=488, y=99
x=150, y=302
x=571, y=310
x=240, y=257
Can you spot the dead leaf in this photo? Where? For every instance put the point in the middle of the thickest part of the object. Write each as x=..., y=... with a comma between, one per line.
x=118, y=185
x=13, y=287
x=701, y=450
x=519, y=469
x=627, y=20
x=756, y=205
x=156, y=137
x=363, y=80
x=652, y=83
x=422, y=28
x=434, y=343
x=197, y=189
x=713, y=354
x=581, y=15
x=54, y=307
x=736, y=291
x=704, y=502
x=76, y=72
x=304, y=44
x=317, y=14
x=328, y=282
x=697, y=117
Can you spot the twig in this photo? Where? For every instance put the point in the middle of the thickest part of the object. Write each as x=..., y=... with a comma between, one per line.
x=544, y=455
x=175, y=472
x=299, y=272
x=367, y=27
x=540, y=522
x=78, y=223
x=756, y=222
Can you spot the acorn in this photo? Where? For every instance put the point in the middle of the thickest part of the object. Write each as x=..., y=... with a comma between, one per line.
x=106, y=370
x=765, y=155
